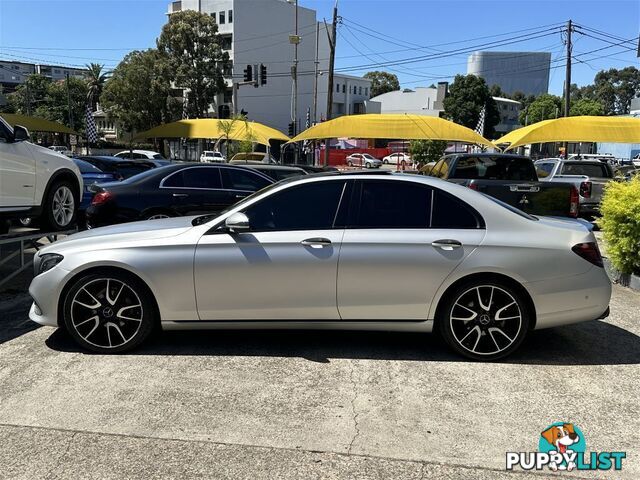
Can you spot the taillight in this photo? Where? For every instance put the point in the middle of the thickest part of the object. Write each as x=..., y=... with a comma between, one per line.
x=585, y=189
x=590, y=252
x=574, y=202
x=473, y=186
x=100, y=198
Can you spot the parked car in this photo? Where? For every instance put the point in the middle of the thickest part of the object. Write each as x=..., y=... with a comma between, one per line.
x=510, y=178
x=140, y=155
x=636, y=160
x=171, y=191
x=209, y=156
x=394, y=252
x=61, y=149
x=36, y=182
x=626, y=172
x=278, y=172
x=589, y=177
x=312, y=168
x=90, y=176
x=262, y=157
x=601, y=157
x=398, y=159
x=363, y=160
x=121, y=167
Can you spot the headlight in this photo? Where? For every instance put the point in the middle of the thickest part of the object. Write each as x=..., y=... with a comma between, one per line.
x=48, y=261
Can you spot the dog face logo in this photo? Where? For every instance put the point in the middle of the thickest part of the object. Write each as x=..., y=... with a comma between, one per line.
x=563, y=438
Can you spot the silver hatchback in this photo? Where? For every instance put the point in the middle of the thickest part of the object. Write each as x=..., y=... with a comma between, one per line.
x=337, y=251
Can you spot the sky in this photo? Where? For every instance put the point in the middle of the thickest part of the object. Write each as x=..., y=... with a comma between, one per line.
x=433, y=36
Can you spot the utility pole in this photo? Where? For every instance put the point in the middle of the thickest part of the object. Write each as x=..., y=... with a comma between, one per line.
x=332, y=58
x=315, y=79
x=567, y=82
x=295, y=81
x=69, y=103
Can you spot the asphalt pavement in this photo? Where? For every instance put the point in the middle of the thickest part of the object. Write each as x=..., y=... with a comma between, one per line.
x=310, y=405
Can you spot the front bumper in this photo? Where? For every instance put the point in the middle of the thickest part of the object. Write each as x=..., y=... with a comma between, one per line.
x=566, y=300
x=45, y=290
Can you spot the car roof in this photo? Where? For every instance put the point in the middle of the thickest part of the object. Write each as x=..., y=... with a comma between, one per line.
x=270, y=166
x=139, y=151
x=487, y=154
x=107, y=158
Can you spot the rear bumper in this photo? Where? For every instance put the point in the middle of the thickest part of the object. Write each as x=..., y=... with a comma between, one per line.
x=566, y=300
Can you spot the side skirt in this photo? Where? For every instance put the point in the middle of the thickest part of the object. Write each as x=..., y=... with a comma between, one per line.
x=369, y=325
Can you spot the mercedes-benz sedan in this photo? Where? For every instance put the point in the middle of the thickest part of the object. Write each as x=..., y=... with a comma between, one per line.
x=338, y=251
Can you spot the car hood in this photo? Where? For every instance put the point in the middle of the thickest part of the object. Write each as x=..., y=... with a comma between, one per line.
x=124, y=233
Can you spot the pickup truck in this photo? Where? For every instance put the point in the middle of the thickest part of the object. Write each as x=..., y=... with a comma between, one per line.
x=510, y=178
x=588, y=176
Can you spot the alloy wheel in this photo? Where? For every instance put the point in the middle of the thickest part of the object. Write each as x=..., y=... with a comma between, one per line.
x=485, y=320
x=158, y=216
x=106, y=313
x=63, y=206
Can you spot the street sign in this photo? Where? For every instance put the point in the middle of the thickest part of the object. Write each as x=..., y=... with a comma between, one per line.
x=294, y=39
x=73, y=140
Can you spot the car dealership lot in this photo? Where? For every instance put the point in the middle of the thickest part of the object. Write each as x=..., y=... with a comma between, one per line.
x=309, y=405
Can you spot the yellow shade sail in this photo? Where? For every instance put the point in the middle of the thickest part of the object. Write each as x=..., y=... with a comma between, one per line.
x=392, y=126
x=210, y=128
x=36, y=124
x=576, y=129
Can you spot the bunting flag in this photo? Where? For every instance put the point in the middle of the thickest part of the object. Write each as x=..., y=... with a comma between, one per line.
x=480, y=127
x=92, y=131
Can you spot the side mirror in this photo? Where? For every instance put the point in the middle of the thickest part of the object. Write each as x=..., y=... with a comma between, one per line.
x=238, y=222
x=20, y=133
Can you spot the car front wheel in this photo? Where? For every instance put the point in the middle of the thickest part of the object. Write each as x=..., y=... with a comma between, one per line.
x=109, y=313
x=484, y=320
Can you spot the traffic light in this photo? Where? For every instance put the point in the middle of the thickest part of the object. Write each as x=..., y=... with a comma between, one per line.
x=292, y=129
x=248, y=73
x=263, y=74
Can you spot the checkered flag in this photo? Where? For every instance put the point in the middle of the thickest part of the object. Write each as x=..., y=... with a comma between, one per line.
x=92, y=131
x=480, y=127
x=307, y=123
x=185, y=105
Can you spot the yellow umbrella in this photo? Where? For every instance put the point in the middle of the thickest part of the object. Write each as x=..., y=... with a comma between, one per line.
x=210, y=128
x=36, y=124
x=395, y=126
x=576, y=129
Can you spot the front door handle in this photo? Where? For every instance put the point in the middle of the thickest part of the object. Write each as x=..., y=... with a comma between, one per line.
x=446, y=244
x=180, y=195
x=317, y=242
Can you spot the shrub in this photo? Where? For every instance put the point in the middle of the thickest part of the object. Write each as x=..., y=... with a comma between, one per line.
x=425, y=151
x=620, y=223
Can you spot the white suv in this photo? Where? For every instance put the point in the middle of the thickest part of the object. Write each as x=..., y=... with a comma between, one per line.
x=209, y=156
x=36, y=182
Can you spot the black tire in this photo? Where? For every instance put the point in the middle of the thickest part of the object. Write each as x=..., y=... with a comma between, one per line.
x=109, y=322
x=350, y=163
x=484, y=326
x=49, y=219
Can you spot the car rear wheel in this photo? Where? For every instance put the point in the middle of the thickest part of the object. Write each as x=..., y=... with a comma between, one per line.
x=484, y=320
x=109, y=313
x=60, y=207
x=350, y=163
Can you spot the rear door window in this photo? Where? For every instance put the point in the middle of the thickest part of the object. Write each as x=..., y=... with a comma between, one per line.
x=246, y=180
x=450, y=212
x=588, y=169
x=495, y=168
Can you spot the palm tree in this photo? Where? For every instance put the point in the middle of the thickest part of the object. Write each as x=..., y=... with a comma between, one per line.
x=96, y=79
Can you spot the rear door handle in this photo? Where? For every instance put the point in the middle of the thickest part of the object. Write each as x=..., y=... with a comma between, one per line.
x=446, y=244
x=317, y=242
x=181, y=195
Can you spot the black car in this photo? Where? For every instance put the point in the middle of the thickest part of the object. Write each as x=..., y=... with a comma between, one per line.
x=174, y=190
x=121, y=167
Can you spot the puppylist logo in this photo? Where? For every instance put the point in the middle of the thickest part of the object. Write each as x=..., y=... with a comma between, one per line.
x=562, y=446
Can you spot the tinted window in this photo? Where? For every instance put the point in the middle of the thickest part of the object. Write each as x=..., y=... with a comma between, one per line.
x=449, y=212
x=130, y=169
x=311, y=206
x=589, y=169
x=544, y=169
x=495, y=168
x=237, y=179
x=195, y=178
x=393, y=204
x=86, y=167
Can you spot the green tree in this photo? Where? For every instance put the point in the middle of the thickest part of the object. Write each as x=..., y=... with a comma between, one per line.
x=41, y=97
x=542, y=108
x=139, y=94
x=585, y=106
x=226, y=127
x=191, y=46
x=96, y=79
x=496, y=91
x=425, y=151
x=382, y=82
x=468, y=95
x=615, y=89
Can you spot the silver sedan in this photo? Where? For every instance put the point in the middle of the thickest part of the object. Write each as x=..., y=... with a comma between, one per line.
x=339, y=251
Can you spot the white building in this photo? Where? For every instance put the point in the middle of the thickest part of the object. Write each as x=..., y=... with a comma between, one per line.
x=13, y=73
x=419, y=101
x=257, y=32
